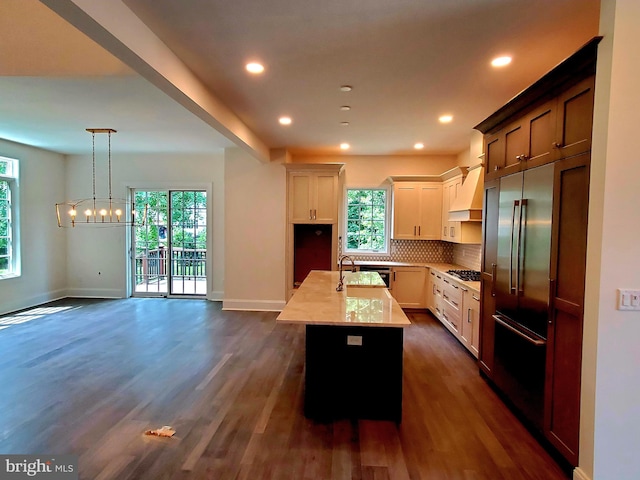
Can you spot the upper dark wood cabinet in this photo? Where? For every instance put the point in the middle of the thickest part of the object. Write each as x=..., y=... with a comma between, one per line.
x=550, y=120
x=575, y=119
x=493, y=155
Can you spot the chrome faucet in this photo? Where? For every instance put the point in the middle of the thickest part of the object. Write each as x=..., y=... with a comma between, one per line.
x=340, y=286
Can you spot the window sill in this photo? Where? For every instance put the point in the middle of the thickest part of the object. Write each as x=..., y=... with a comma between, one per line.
x=7, y=276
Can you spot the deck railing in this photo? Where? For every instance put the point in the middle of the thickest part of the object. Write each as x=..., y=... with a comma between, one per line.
x=152, y=264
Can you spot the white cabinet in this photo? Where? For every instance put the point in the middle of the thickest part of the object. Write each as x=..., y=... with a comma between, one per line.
x=457, y=232
x=408, y=286
x=452, y=305
x=313, y=197
x=456, y=306
x=434, y=293
x=417, y=210
x=449, y=193
x=470, y=324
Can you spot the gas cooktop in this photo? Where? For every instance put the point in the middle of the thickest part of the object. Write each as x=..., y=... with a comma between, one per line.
x=465, y=275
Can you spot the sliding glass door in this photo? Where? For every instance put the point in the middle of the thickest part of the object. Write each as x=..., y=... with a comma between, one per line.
x=171, y=248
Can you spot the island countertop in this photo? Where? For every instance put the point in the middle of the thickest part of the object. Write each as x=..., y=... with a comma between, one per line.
x=317, y=302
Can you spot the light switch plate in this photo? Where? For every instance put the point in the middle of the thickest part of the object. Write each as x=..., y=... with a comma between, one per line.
x=628, y=299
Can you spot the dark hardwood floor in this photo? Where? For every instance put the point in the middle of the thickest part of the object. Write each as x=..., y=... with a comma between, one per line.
x=91, y=378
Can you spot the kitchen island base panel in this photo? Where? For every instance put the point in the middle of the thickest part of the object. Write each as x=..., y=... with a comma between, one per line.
x=353, y=372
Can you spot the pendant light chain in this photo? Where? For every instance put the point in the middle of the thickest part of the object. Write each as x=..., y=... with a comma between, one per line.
x=93, y=141
x=110, y=203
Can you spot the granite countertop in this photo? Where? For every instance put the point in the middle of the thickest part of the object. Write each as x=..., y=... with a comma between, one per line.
x=317, y=302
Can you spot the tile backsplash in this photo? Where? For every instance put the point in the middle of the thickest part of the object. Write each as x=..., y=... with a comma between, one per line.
x=467, y=256
x=418, y=251
x=425, y=251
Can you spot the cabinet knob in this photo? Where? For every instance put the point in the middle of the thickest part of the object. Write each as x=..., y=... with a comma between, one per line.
x=557, y=145
x=496, y=168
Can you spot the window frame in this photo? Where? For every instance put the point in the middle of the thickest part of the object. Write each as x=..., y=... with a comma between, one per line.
x=387, y=221
x=12, y=177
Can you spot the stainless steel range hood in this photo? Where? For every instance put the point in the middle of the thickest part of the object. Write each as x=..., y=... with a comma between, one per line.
x=467, y=207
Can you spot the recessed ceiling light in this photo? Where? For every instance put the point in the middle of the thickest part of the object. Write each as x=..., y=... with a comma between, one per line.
x=501, y=61
x=254, y=67
x=419, y=146
x=344, y=146
x=345, y=108
x=445, y=118
x=344, y=124
x=346, y=88
x=285, y=120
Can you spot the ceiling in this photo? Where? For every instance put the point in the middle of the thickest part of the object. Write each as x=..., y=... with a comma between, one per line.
x=408, y=61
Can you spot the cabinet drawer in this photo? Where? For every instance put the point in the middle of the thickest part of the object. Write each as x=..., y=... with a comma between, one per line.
x=451, y=293
x=451, y=316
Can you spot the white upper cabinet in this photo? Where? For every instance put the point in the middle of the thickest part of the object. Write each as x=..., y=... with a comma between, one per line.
x=417, y=210
x=313, y=194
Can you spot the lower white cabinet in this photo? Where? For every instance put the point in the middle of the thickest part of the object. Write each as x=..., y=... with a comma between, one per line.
x=470, y=324
x=456, y=306
x=407, y=286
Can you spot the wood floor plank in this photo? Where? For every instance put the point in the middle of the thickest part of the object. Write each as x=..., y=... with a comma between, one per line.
x=87, y=377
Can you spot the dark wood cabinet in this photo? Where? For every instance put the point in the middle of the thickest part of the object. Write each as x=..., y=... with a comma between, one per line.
x=523, y=143
x=493, y=156
x=487, y=275
x=541, y=124
x=575, y=119
x=550, y=122
x=567, y=278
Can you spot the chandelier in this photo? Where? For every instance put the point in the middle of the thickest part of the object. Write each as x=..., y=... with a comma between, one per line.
x=94, y=211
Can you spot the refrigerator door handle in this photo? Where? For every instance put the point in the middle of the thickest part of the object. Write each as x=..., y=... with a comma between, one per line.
x=552, y=297
x=535, y=341
x=512, y=289
x=522, y=234
x=494, y=266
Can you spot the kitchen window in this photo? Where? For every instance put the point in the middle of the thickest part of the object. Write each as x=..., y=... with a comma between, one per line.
x=9, y=265
x=367, y=220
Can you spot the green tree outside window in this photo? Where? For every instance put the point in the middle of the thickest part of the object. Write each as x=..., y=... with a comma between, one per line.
x=366, y=219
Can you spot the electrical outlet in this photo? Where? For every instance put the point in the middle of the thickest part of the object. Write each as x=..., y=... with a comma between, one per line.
x=355, y=340
x=628, y=299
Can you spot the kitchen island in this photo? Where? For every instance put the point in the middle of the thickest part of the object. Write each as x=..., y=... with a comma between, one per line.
x=354, y=346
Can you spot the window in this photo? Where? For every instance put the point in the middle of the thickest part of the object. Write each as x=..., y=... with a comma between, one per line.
x=9, y=265
x=367, y=220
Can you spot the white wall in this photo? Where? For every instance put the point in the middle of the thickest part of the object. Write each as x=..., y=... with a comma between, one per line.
x=610, y=415
x=255, y=223
x=254, y=233
x=98, y=256
x=43, y=244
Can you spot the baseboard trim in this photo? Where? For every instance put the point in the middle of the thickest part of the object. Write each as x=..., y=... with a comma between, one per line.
x=96, y=293
x=35, y=301
x=253, y=305
x=216, y=296
x=578, y=474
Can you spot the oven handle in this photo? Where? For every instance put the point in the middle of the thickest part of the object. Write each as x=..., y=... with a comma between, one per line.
x=535, y=341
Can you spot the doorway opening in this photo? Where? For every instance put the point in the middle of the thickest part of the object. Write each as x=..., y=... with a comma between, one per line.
x=171, y=248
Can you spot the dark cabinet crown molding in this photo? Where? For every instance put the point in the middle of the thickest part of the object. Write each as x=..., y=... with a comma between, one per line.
x=578, y=66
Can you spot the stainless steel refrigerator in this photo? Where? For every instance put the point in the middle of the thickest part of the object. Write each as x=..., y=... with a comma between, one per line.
x=522, y=288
